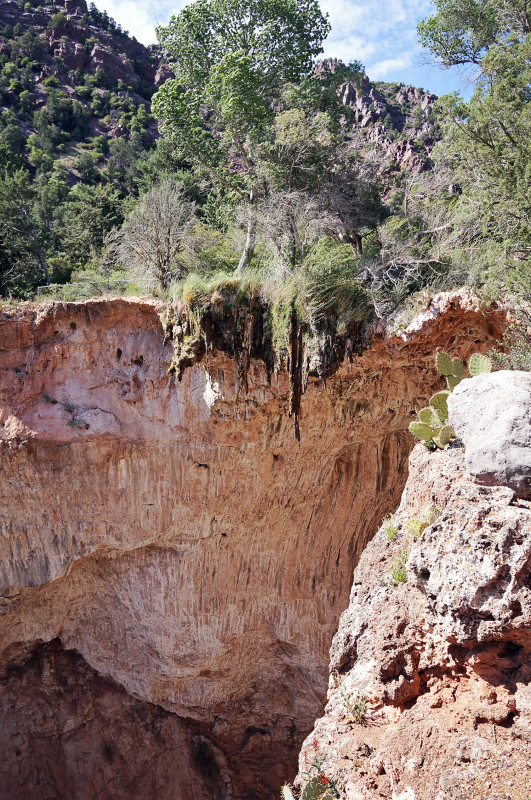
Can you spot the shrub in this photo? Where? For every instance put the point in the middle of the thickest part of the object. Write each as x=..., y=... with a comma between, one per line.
x=514, y=351
x=356, y=705
x=59, y=20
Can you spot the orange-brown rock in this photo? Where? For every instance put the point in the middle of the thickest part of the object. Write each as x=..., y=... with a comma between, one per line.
x=177, y=537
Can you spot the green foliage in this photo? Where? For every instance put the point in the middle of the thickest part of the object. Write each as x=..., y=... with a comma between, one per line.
x=444, y=364
x=22, y=240
x=416, y=527
x=315, y=789
x=59, y=20
x=429, y=417
x=462, y=31
x=444, y=437
x=486, y=149
x=398, y=572
x=439, y=402
x=356, y=705
x=389, y=528
x=421, y=431
x=231, y=61
x=431, y=425
x=514, y=351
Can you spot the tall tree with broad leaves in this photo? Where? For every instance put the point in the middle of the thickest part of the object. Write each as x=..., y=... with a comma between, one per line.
x=231, y=60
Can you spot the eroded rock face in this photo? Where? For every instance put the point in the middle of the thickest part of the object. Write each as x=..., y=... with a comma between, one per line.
x=492, y=415
x=65, y=731
x=177, y=536
x=439, y=654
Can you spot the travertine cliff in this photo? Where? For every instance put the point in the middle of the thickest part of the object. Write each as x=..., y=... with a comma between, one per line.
x=173, y=562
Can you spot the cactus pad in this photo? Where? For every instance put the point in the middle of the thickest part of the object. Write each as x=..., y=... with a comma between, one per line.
x=453, y=380
x=444, y=437
x=421, y=431
x=439, y=402
x=444, y=363
x=315, y=789
x=415, y=527
x=458, y=368
x=479, y=365
x=431, y=513
x=430, y=417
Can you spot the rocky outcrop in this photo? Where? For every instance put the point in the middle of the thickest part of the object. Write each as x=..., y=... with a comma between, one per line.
x=179, y=540
x=492, y=415
x=433, y=651
x=116, y=66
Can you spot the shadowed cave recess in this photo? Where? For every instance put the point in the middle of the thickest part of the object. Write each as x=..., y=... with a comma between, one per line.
x=174, y=561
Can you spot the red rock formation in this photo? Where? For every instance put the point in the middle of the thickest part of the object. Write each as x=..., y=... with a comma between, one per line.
x=179, y=538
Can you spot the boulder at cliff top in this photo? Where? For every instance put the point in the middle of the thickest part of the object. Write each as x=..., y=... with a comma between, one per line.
x=492, y=415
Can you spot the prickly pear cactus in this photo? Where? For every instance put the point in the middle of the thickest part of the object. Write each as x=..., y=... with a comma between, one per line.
x=416, y=527
x=421, y=431
x=452, y=381
x=431, y=513
x=315, y=789
x=439, y=402
x=479, y=365
x=430, y=417
x=444, y=363
x=458, y=368
x=444, y=437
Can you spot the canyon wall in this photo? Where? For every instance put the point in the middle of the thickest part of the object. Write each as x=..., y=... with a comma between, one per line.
x=171, y=555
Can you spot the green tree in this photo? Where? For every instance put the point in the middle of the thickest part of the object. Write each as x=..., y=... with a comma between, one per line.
x=84, y=220
x=232, y=59
x=461, y=31
x=486, y=148
x=23, y=243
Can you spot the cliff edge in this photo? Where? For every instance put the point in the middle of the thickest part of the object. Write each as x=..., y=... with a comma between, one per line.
x=430, y=689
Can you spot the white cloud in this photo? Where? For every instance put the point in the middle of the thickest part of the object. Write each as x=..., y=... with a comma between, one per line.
x=379, y=33
x=382, y=68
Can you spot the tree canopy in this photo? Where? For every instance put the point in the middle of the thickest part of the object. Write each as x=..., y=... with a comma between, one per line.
x=232, y=61
x=461, y=31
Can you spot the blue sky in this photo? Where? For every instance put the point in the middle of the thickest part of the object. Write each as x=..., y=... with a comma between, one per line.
x=379, y=33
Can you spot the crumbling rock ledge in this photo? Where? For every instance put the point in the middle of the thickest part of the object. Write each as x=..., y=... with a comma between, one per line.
x=441, y=659
x=175, y=537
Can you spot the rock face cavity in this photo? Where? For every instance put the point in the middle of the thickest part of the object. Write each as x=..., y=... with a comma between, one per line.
x=172, y=560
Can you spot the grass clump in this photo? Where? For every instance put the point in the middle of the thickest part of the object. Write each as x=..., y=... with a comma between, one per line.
x=356, y=704
x=398, y=572
x=389, y=528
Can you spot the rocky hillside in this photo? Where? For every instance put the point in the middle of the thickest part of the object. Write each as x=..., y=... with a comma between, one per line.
x=392, y=123
x=172, y=555
x=430, y=687
x=72, y=81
